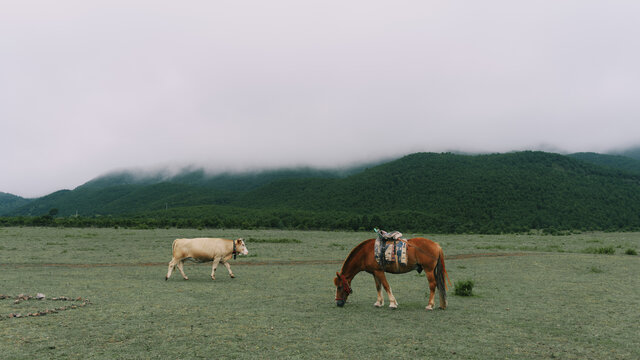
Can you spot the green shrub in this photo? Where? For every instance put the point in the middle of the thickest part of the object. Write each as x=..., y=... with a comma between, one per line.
x=464, y=288
x=606, y=250
x=596, y=270
x=631, y=252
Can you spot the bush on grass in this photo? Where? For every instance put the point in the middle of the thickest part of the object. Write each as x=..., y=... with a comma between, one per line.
x=464, y=288
x=606, y=250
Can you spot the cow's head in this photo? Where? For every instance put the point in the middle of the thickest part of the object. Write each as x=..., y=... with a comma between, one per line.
x=241, y=248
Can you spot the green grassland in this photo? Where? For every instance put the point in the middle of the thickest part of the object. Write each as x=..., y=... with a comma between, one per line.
x=549, y=296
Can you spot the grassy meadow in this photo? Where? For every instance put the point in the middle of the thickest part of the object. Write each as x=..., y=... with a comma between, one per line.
x=549, y=296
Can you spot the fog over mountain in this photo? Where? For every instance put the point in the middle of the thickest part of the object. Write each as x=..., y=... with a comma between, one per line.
x=92, y=87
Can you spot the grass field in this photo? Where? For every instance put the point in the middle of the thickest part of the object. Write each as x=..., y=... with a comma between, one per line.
x=553, y=296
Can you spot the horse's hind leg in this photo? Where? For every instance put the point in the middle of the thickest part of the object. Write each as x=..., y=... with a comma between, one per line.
x=383, y=280
x=432, y=290
x=380, y=301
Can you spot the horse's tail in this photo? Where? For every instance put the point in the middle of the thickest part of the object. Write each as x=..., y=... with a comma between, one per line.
x=440, y=272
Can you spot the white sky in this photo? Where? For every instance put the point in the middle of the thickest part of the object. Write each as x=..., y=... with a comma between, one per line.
x=87, y=87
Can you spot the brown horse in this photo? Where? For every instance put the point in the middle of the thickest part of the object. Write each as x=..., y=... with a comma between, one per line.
x=422, y=254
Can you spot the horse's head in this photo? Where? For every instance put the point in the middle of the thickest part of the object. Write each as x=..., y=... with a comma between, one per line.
x=343, y=289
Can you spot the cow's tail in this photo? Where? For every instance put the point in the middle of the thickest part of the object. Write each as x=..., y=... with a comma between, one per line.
x=440, y=273
x=173, y=256
x=173, y=246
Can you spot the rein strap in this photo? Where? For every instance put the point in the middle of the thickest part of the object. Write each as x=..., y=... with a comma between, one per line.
x=345, y=284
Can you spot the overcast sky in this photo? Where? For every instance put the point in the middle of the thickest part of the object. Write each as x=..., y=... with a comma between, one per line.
x=87, y=87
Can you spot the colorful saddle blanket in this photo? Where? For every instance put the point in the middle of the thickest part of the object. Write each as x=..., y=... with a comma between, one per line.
x=390, y=248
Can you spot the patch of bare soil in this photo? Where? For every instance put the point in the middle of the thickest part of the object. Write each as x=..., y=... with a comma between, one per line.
x=253, y=263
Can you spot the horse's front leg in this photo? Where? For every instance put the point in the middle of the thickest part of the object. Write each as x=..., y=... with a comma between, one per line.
x=380, y=301
x=432, y=290
x=379, y=274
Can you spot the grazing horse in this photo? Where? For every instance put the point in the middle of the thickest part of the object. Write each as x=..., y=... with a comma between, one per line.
x=422, y=254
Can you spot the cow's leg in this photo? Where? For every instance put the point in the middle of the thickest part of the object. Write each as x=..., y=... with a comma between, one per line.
x=380, y=301
x=172, y=264
x=226, y=264
x=180, y=265
x=213, y=268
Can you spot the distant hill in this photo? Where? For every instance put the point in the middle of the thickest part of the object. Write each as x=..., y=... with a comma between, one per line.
x=512, y=191
x=240, y=181
x=132, y=192
x=422, y=192
x=633, y=153
x=10, y=202
x=619, y=162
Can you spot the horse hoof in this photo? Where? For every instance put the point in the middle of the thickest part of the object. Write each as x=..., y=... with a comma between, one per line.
x=393, y=307
x=378, y=305
x=429, y=308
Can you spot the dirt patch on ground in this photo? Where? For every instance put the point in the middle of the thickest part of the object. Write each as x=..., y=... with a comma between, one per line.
x=470, y=256
x=251, y=263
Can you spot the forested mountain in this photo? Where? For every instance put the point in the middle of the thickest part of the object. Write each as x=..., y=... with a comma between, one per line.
x=423, y=192
x=240, y=181
x=619, y=162
x=129, y=192
x=633, y=153
x=511, y=191
x=8, y=202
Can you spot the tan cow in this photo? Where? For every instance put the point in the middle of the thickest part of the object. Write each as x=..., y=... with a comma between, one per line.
x=204, y=250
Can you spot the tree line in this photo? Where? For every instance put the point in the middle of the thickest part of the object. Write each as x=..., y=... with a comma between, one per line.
x=406, y=221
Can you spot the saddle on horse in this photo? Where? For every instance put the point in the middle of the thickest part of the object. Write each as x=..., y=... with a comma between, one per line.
x=390, y=248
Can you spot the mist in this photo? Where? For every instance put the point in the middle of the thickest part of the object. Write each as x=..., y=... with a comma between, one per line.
x=92, y=87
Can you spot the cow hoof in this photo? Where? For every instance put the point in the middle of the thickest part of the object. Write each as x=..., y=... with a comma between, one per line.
x=233, y=276
x=393, y=306
x=166, y=278
x=378, y=305
x=429, y=308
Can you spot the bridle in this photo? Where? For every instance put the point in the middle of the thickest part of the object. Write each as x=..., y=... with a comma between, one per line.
x=345, y=287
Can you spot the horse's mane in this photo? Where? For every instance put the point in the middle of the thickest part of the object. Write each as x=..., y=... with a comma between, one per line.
x=354, y=251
